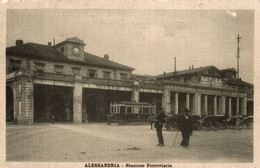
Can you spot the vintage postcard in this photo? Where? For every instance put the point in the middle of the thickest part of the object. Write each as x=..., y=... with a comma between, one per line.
x=140, y=83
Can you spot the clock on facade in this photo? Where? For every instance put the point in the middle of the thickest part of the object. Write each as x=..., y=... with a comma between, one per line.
x=76, y=51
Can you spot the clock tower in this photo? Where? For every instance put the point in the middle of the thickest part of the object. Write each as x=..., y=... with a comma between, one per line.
x=72, y=48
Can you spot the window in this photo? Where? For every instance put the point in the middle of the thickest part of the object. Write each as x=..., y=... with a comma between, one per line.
x=137, y=110
x=123, y=76
x=58, y=68
x=115, y=74
x=106, y=74
x=187, y=78
x=19, y=108
x=177, y=79
x=129, y=110
x=92, y=73
x=75, y=70
x=146, y=110
x=14, y=65
x=40, y=66
x=122, y=109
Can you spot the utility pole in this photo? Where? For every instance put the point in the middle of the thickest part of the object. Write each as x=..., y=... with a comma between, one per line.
x=238, y=56
x=238, y=81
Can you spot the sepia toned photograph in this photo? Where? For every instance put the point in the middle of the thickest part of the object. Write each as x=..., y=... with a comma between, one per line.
x=129, y=87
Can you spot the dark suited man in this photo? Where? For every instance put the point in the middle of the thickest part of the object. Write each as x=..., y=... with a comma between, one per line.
x=186, y=124
x=159, y=120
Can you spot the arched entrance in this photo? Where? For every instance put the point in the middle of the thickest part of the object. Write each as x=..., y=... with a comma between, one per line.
x=9, y=104
x=52, y=100
x=91, y=108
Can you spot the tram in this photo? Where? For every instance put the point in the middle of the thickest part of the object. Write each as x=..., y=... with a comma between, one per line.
x=123, y=112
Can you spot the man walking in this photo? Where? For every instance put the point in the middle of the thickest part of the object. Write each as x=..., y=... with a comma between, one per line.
x=186, y=124
x=159, y=120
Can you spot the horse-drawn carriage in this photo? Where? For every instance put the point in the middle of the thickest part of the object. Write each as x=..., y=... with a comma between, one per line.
x=173, y=122
x=211, y=122
x=217, y=122
x=249, y=122
x=239, y=122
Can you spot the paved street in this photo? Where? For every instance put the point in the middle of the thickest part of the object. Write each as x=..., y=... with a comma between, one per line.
x=99, y=142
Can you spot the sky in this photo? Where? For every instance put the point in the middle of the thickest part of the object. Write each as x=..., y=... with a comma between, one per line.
x=147, y=40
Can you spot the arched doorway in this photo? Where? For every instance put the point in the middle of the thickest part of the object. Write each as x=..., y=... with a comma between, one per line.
x=91, y=108
x=52, y=100
x=9, y=104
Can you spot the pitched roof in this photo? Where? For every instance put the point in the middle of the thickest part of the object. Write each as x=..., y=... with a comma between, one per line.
x=239, y=82
x=101, y=62
x=74, y=40
x=244, y=83
x=229, y=69
x=184, y=72
x=48, y=53
x=143, y=76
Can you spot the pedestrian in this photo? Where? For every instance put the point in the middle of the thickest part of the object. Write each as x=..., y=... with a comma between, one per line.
x=159, y=120
x=52, y=118
x=108, y=118
x=186, y=127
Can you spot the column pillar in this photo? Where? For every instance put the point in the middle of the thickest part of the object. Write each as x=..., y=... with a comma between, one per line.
x=223, y=98
x=176, y=103
x=166, y=99
x=14, y=103
x=237, y=110
x=229, y=107
x=188, y=101
x=135, y=94
x=197, y=104
x=215, y=105
x=77, y=102
x=193, y=104
x=244, y=107
x=27, y=100
x=206, y=104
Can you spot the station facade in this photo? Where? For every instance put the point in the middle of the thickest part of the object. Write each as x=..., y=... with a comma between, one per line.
x=73, y=85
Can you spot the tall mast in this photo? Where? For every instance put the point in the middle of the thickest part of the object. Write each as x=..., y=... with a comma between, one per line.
x=238, y=56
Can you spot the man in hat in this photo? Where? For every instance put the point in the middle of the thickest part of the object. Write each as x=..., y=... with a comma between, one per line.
x=186, y=124
x=159, y=120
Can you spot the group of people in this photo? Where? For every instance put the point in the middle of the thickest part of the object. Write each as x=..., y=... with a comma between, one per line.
x=185, y=126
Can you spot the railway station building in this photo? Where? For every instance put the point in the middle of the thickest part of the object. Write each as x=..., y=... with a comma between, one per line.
x=73, y=85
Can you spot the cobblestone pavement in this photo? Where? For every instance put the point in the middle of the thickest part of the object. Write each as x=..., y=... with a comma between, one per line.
x=98, y=142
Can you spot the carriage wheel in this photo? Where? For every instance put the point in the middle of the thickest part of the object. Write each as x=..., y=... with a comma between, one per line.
x=204, y=128
x=222, y=126
x=208, y=126
x=217, y=126
x=199, y=126
x=231, y=126
x=172, y=127
x=249, y=125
